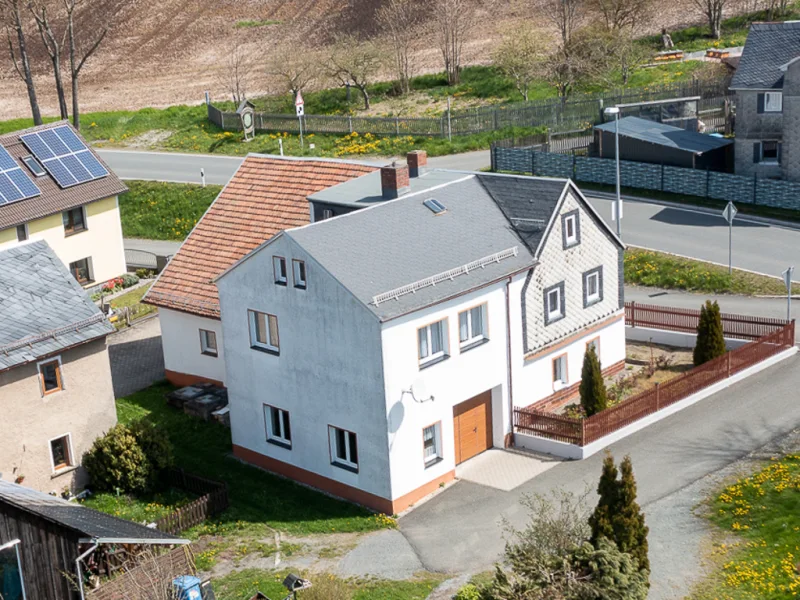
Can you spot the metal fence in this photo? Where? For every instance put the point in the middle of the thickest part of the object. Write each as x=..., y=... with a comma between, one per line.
x=578, y=112
x=647, y=176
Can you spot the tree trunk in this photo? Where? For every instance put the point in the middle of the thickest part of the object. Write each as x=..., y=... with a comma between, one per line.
x=363, y=90
x=62, y=100
x=73, y=68
x=27, y=75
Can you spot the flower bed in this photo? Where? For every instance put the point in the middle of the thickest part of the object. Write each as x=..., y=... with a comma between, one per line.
x=115, y=285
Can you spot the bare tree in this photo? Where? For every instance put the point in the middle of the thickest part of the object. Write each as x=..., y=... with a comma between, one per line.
x=52, y=44
x=453, y=23
x=609, y=55
x=567, y=16
x=237, y=72
x=11, y=18
x=712, y=11
x=296, y=70
x=621, y=14
x=519, y=56
x=398, y=20
x=356, y=63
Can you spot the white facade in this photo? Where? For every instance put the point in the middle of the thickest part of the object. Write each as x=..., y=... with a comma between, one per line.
x=101, y=241
x=183, y=350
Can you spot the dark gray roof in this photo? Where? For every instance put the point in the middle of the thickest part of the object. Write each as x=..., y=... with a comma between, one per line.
x=527, y=202
x=654, y=132
x=87, y=522
x=402, y=242
x=43, y=310
x=769, y=46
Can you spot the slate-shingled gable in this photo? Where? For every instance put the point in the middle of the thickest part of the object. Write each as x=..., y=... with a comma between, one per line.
x=38, y=296
x=265, y=196
x=768, y=47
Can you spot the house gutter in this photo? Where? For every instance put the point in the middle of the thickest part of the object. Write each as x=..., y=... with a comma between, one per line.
x=508, y=359
x=78, y=571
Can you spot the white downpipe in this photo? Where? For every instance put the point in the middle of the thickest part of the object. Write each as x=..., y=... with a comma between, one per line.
x=78, y=571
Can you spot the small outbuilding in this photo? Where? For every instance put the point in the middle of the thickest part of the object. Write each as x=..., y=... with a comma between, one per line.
x=647, y=141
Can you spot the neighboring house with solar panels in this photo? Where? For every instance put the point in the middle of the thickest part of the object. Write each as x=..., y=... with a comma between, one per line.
x=56, y=395
x=371, y=353
x=53, y=187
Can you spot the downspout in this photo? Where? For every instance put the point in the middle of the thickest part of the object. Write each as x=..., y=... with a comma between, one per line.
x=78, y=568
x=508, y=359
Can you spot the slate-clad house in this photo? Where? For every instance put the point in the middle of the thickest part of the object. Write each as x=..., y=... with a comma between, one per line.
x=767, y=87
x=56, y=394
x=370, y=353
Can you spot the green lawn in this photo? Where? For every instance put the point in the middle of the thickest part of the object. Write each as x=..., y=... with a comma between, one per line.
x=760, y=519
x=133, y=300
x=244, y=584
x=163, y=211
x=142, y=509
x=258, y=500
x=658, y=269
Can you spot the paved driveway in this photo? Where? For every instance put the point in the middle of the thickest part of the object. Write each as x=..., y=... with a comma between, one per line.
x=460, y=529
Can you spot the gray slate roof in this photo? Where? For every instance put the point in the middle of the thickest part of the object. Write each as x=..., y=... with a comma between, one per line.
x=43, y=310
x=87, y=522
x=401, y=242
x=654, y=132
x=768, y=47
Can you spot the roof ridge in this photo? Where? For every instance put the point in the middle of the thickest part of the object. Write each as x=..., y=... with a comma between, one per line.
x=313, y=159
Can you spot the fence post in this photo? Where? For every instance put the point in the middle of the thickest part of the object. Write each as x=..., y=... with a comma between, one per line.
x=755, y=189
x=662, y=176
x=496, y=120
x=533, y=162
x=350, y=123
x=708, y=180
x=728, y=361
x=493, y=157
x=397, y=125
x=658, y=396
x=583, y=432
x=574, y=167
x=633, y=314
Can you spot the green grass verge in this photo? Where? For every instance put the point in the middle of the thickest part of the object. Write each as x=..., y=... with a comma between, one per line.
x=245, y=584
x=259, y=500
x=163, y=211
x=661, y=270
x=760, y=517
x=133, y=300
x=142, y=509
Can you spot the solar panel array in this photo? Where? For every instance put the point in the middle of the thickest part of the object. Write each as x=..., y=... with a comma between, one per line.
x=14, y=183
x=64, y=155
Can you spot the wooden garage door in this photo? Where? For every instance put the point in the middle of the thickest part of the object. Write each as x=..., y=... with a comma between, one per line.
x=472, y=424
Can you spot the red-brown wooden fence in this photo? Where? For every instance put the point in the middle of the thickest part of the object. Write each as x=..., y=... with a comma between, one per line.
x=585, y=431
x=213, y=500
x=686, y=319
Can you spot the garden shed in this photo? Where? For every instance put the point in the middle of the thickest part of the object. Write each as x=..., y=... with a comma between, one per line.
x=50, y=548
x=642, y=140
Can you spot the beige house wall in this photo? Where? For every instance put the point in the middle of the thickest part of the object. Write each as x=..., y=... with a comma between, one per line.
x=84, y=409
x=102, y=239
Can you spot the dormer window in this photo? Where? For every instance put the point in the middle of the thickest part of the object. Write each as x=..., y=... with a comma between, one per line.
x=279, y=266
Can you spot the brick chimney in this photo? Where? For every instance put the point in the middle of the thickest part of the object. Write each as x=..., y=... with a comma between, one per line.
x=416, y=160
x=394, y=181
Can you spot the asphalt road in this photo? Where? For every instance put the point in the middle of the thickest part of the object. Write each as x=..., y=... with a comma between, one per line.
x=674, y=460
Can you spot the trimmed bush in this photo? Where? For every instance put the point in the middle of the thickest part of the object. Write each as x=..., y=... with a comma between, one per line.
x=710, y=340
x=601, y=520
x=593, y=388
x=116, y=462
x=155, y=444
x=129, y=280
x=468, y=592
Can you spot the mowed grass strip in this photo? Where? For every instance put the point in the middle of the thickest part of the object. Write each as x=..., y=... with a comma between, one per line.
x=258, y=499
x=666, y=271
x=163, y=211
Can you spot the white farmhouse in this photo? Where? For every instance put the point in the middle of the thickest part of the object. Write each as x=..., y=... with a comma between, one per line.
x=370, y=353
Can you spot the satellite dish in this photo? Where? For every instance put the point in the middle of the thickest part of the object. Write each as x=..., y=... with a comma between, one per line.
x=419, y=391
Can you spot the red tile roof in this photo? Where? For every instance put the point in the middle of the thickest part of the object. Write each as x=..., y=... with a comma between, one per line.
x=265, y=196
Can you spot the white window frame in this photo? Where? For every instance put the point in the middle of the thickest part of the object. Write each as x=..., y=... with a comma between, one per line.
x=71, y=455
x=68, y=233
x=300, y=279
x=592, y=298
x=571, y=239
x=551, y=314
x=269, y=345
x=278, y=437
x=426, y=330
x=561, y=382
x=25, y=229
x=279, y=268
x=59, y=375
x=327, y=213
x=776, y=102
x=466, y=323
x=207, y=349
x=333, y=440
x=89, y=268
x=437, y=444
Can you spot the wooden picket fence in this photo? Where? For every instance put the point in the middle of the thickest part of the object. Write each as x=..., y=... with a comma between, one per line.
x=585, y=431
x=212, y=501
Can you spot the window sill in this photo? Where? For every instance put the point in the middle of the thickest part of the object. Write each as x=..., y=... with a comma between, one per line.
x=300, y=287
x=571, y=245
x=283, y=283
x=266, y=350
x=434, y=361
x=211, y=354
x=592, y=302
x=433, y=462
x=550, y=321
x=475, y=344
x=350, y=468
x=63, y=471
x=71, y=233
x=773, y=163
x=280, y=443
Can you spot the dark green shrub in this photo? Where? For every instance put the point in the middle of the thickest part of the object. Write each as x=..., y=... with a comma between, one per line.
x=144, y=273
x=116, y=462
x=129, y=279
x=593, y=388
x=710, y=340
x=154, y=442
x=601, y=520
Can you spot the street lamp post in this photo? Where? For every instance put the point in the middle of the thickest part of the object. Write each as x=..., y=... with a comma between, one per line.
x=614, y=110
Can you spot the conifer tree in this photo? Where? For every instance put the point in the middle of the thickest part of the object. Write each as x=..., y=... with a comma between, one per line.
x=593, y=388
x=630, y=532
x=601, y=520
x=710, y=340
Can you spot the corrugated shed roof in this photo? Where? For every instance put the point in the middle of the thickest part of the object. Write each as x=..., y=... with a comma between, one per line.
x=43, y=310
x=265, y=196
x=769, y=46
x=87, y=522
x=53, y=199
x=654, y=132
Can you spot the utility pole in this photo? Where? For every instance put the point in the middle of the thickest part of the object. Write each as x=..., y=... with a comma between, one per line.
x=787, y=279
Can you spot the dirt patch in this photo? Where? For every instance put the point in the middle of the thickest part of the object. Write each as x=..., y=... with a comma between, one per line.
x=148, y=139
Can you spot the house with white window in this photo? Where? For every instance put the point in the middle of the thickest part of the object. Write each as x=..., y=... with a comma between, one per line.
x=266, y=195
x=370, y=353
x=56, y=394
x=54, y=187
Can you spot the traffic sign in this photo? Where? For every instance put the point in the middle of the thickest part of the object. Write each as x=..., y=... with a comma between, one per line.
x=299, y=104
x=787, y=278
x=729, y=213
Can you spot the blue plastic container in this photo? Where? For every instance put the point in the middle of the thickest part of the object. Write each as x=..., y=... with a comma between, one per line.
x=187, y=587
